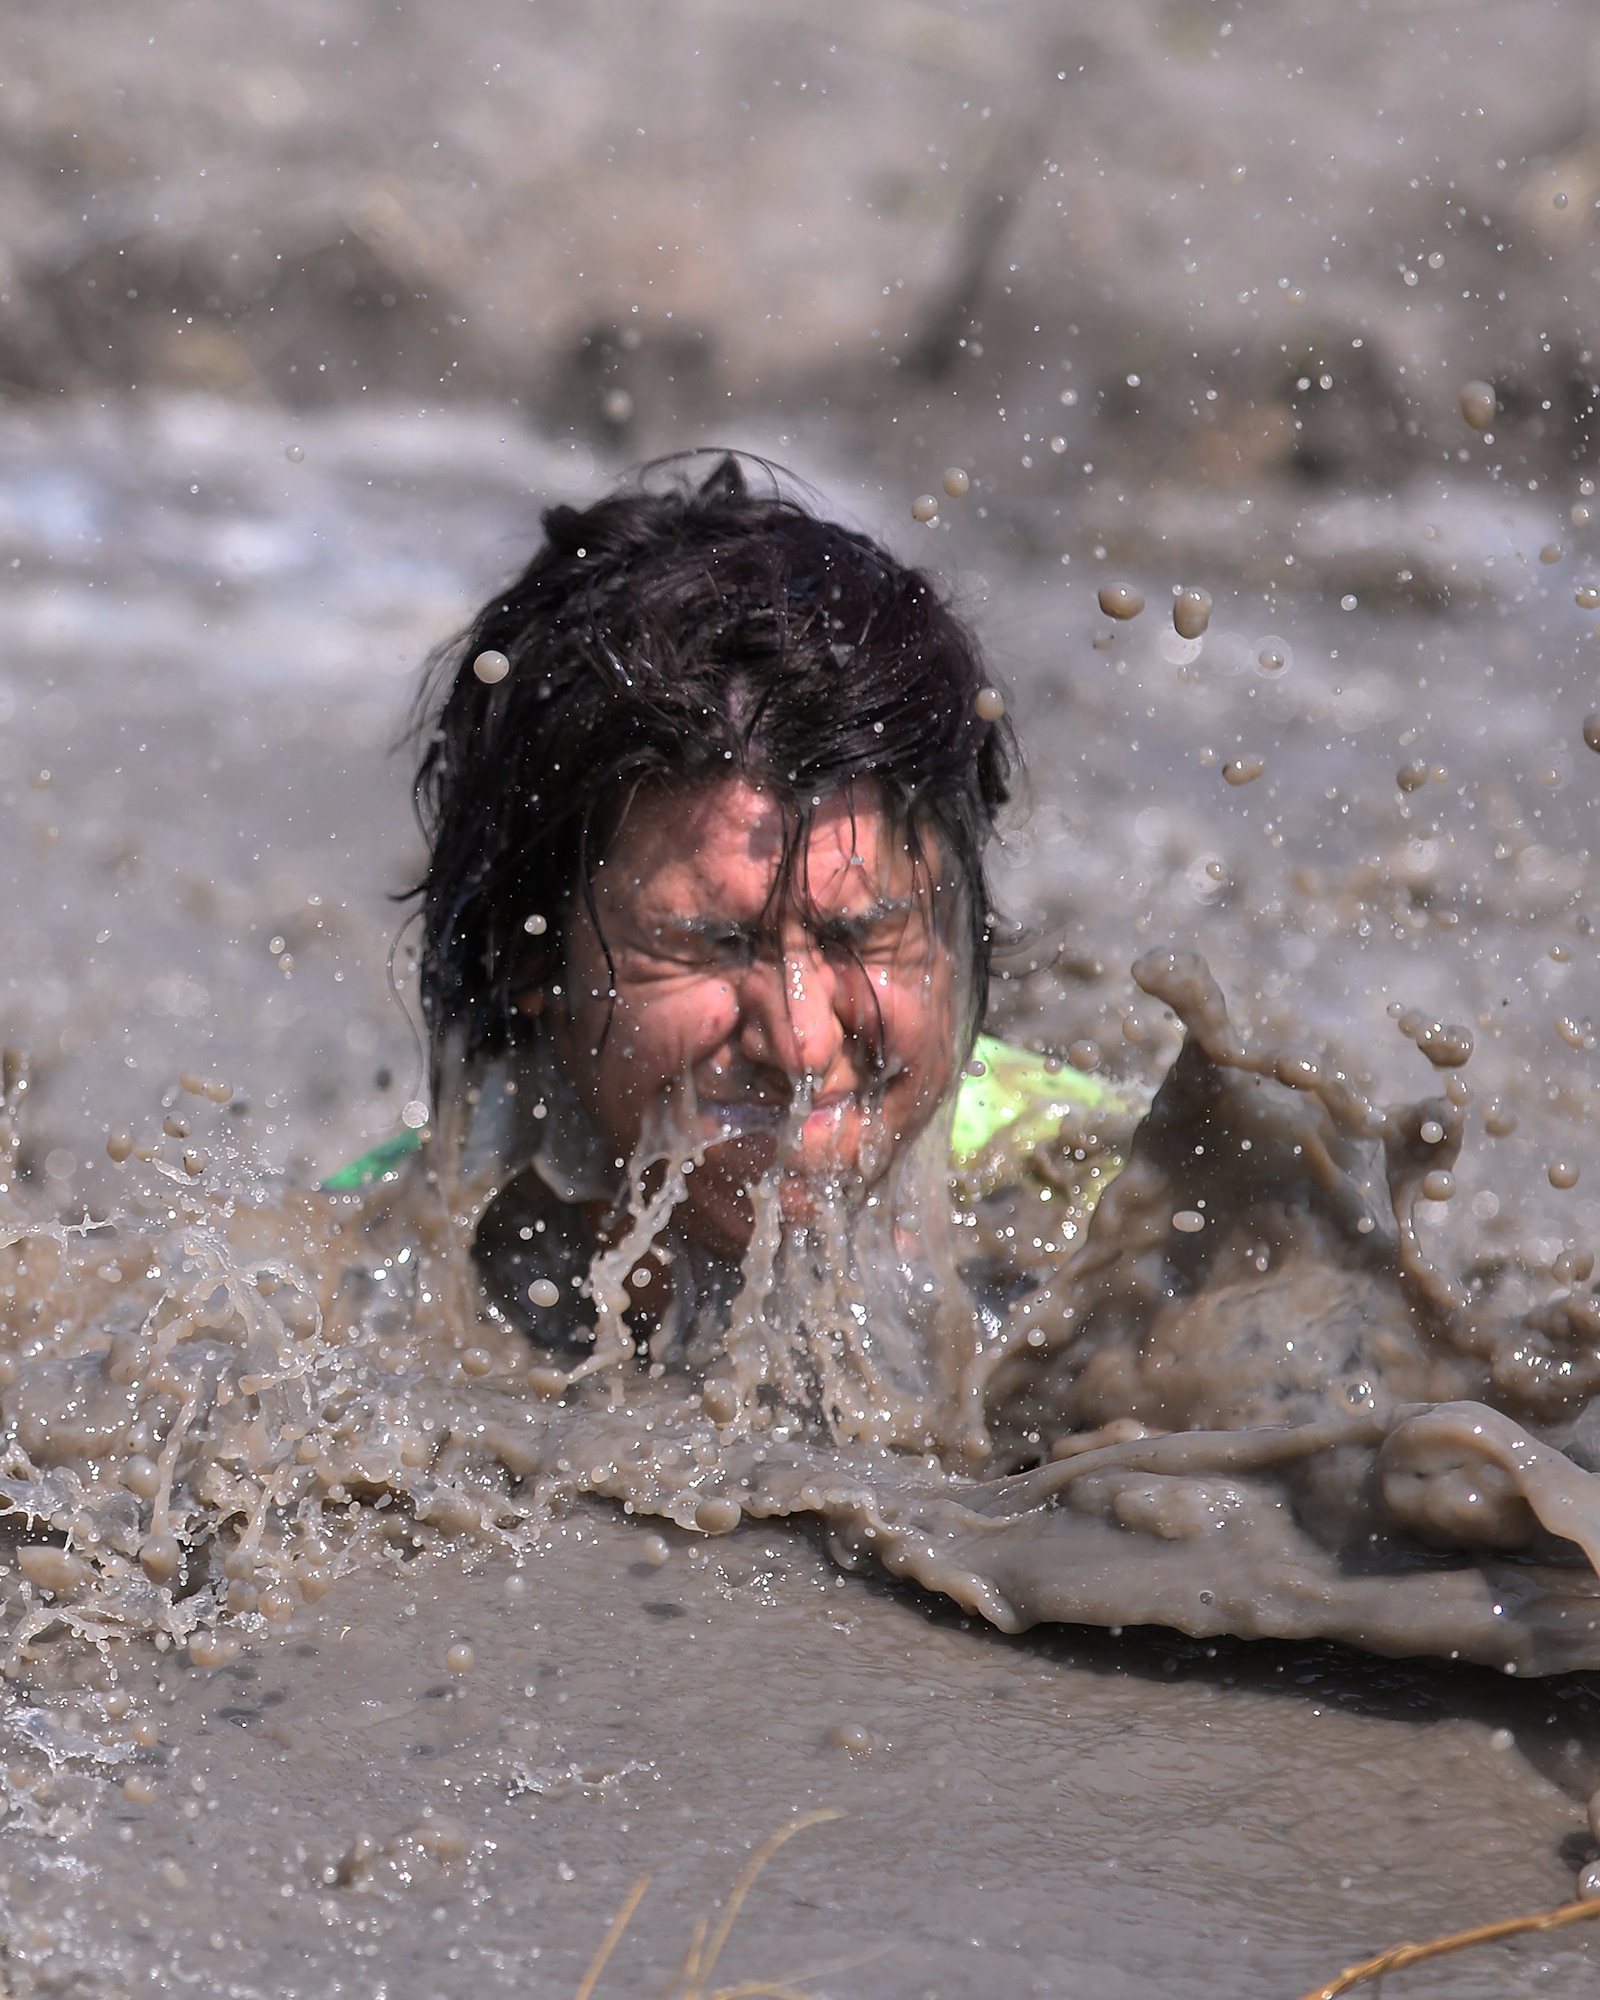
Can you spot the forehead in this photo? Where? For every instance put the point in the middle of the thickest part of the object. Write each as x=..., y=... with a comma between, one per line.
x=721, y=845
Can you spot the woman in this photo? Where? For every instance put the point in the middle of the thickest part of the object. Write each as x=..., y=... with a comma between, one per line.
x=708, y=790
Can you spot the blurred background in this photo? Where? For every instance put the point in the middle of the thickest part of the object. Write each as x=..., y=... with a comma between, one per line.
x=307, y=309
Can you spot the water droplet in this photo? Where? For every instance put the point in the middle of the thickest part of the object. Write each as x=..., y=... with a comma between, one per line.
x=1558, y=200
x=1120, y=600
x=294, y=453
x=1349, y=601
x=955, y=482
x=1191, y=612
x=414, y=1114
x=988, y=704
x=1430, y=1132
x=1563, y=1173
x=1477, y=404
x=491, y=667
x=544, y=1292
x=616, y=406
x=924, y=508
x=535, y=926
x=1243, y=770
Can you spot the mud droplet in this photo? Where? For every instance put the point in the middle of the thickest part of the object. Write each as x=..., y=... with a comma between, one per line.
x=1273, y=656
x=1188, y=1222
x=1084, y=1055
x=1581, y=516
x=414, y=1115
x=477, y=1361
x=1439, y=1185
x=1499, y=1120
x=1589, y=1883
x=1562, y=1174
x=1550, y=553
x=544, y=1292
x=1120, y=600
x=138, y=1791
x=955, y=482
x=1591, y=731
x=1411, y=777
x=1446, y=1044
x=215, y=1649
x=989, y=704
x=1191, y=612
x=1243, y=770
x=1587, y=597
x=1477, y=404
x=925, y=508
x=718, y=1516
x=855, y=1738
x=460, y=1659
x=119, y=1145
x=656, y=1550
x=294, y=453
x=491, y=667
x=159, y=1557
x=535, y=926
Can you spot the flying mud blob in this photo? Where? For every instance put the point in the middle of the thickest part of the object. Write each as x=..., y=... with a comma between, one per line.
x=1191, y=613
x=1120, y=600
x=1477, y=404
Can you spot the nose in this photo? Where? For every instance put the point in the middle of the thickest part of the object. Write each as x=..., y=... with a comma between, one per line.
x=789, y=1016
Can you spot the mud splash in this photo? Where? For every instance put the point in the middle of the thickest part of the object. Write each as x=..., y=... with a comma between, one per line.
x=1245, y=1403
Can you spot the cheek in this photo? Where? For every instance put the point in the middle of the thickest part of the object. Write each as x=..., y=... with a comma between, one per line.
x=661, y=1030
x=918, y=1023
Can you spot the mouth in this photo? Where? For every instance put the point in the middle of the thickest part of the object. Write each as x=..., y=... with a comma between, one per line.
x=752, y=1118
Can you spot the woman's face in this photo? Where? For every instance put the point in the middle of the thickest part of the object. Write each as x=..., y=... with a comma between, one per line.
x=843, y=980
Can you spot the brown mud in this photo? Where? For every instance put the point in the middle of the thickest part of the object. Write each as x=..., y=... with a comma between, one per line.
x=1164, y=301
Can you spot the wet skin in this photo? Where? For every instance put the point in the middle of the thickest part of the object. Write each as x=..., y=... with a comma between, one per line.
x=840, y=977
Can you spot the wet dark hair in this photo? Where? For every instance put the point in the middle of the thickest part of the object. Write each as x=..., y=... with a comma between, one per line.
x=680, y=632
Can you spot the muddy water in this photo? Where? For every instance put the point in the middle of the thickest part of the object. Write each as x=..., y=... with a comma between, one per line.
x=1082, y=1811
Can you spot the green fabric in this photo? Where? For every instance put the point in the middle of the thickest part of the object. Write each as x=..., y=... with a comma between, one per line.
x=1021, y=1095
x=373, y=1166
x=1013, y=1091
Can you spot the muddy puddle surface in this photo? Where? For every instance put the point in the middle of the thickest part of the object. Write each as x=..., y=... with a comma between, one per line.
x=336, y=1662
